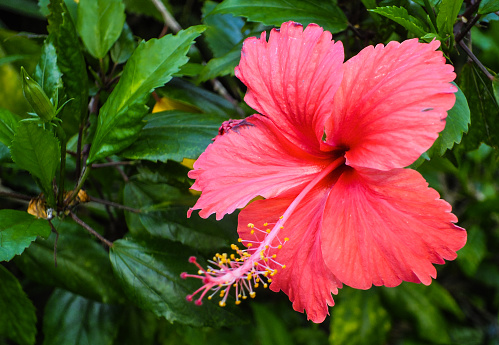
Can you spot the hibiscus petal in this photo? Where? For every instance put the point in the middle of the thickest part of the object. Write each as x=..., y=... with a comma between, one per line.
x=391, y=104
x=252, y=159
x=306, y=279
x=292, y=79
x=385, y=227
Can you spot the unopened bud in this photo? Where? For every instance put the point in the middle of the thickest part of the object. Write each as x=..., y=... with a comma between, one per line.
x=37, y=98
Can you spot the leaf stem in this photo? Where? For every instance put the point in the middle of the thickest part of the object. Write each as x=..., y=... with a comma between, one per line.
x=475, y=60
x=62, y=173
x=89, y=229
x=468, y=27
x=168, y=19
x=83, y=177
x=15, y=195
x=113, y=204
x=429, y=9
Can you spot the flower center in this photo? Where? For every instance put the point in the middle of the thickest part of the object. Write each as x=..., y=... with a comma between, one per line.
x=253, y=265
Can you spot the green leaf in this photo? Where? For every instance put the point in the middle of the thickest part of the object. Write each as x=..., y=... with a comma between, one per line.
x=495, y=88
x=402, y=17
x=223, y=31
x=38, y=151
x=472, y=254
x=458, y=119
x=137, y=327
x=205, y=101
x=72, y=319
x=124, y=46
x=100, y=23
x=150, y=274
x=72, y=65
x=17, y=230
x=424, y=304
x=47, y=73
x=447, y=16
x=82, y=264
x=164, y=215
x=174, y=135
x=270, y=328
x=488, y=6
x=8, y=125
x=18, y=318
x=275, y=12
x=483, y=107
x=221, y=66
x=151, y=66
x=359, y=318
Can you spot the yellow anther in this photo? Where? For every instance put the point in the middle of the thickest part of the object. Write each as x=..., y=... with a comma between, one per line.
x=239, y=240
x=221, y=303
x=267, y=231
x=257, y=280
x=256, y=285
x=256, y=263
x=251, y=225
x=282, y=227
x=209, y=297
x=250, y=245
x=269, y=280
x=286, y=239
x=252, y=294
x=265, y=285
x=234, y=285
x=274, y=256
x=234, y=247
x=283, y=266
x=238, y=302
x=265, y=224
x=244, y=297
x=267, y=246
x=279, y=247
x=252, y=232
x=281, y=217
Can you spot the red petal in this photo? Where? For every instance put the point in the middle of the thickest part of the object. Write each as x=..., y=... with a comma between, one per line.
x=251, y=159
x=306, y=279
x=292, y=79
x=391, y=104
x=385, y=227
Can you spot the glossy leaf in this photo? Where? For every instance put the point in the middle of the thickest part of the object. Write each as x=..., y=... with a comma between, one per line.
x=205, y=101
x=457, y=122
x=270, y=328
x=425, y=305
x=124, y=46
x=488, y=6
x=17, y=230
x=174, y=135
x=447, y=14
x=78, y=257
x=164, y=215
x=474, y=252
x=483, y=108
x=18, y=318
x=151, y=66
x=221, y=66
x=359, y=318
x=495, y=88
x=223, y=31
x=72, y=65
x=137, y=327
x=401, y=16
x=47, y=72
x=275, y=12
x=100, y=23
x=150, y=274
x=38, y=151
x=8, y=125
x=72, y=319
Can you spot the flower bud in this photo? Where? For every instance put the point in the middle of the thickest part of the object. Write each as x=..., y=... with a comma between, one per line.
x=37, y=98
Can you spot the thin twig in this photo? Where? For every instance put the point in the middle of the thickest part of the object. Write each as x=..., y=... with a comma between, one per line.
x=54, y=230
x=92, y=231
x=117, y=167
x=113, y=204
x=169, y=20
x=475, y=60
x=468, y=27
x=14, y=195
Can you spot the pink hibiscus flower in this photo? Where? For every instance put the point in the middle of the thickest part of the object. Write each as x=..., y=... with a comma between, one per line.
x=327, y=151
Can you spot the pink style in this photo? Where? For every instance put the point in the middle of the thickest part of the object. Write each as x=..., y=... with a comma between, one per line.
x=327, y=152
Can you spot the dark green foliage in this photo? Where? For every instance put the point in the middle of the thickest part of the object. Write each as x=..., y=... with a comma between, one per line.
x=104, y=265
